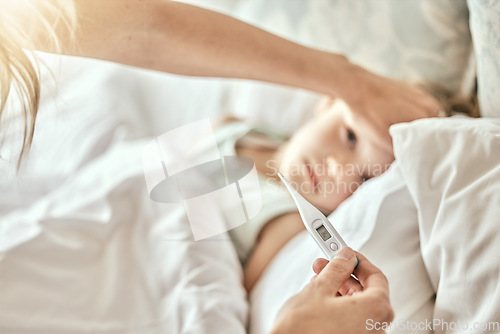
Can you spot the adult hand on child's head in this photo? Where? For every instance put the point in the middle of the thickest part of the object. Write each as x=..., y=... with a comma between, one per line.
x=386, y=101
x=318, y=308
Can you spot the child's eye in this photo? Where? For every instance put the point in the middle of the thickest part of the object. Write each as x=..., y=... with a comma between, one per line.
x=351, y=138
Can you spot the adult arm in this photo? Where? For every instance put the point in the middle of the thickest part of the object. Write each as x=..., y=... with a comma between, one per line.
x=179, y=38
x=183, y=39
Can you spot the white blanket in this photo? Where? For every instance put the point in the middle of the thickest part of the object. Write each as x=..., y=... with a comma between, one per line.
x=452, y=170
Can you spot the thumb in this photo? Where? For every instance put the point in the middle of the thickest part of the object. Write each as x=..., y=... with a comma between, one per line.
x=336, y=272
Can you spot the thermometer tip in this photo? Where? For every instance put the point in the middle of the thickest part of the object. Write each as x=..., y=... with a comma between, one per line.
x=282, y=177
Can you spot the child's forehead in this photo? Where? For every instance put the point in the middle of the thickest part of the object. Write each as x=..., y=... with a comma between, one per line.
x=373, y=136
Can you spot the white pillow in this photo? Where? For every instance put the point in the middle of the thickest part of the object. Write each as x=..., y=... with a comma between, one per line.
x=485, y=27
x=452, y=169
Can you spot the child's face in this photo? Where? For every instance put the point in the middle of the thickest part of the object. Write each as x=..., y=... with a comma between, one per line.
x=331, y=155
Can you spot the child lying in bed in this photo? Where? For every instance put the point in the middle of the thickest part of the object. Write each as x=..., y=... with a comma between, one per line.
x=326, y=160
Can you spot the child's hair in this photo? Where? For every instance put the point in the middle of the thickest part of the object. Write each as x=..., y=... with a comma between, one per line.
x=24, y=26
x=454, y=103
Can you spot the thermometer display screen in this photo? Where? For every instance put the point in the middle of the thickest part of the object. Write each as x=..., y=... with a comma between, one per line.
x=323, y=232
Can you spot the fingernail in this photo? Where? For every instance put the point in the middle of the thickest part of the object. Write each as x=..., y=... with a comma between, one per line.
x=345, y=254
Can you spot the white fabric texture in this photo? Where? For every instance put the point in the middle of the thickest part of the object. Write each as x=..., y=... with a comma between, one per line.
x=103, y=258
x=485, y=27
x=82, y=247
x=452, y=170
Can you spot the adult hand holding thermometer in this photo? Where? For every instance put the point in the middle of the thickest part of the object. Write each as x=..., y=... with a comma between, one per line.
x=317, y=224
x=318, y=307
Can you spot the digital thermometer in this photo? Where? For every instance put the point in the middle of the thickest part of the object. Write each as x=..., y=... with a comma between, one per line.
x=318, y=226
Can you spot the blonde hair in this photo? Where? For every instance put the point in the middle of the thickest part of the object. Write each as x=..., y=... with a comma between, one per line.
x=27, y=25
x=454, y=103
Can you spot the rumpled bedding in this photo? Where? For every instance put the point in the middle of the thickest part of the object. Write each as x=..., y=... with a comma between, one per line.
x=97, y=255
x=452, y=170
x=84, y=250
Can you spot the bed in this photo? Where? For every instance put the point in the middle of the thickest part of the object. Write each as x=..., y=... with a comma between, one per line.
x=83, y=249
